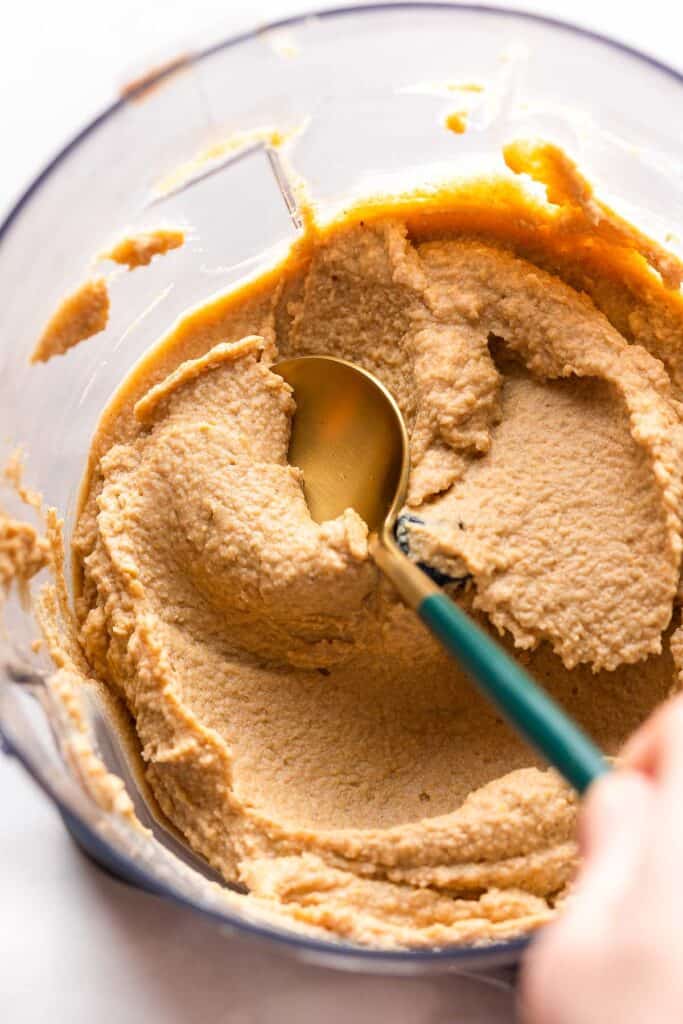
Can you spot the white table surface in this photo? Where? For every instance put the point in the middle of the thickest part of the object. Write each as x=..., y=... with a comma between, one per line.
x=76, y=946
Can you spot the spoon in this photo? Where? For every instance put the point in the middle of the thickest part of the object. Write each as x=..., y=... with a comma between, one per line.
x=349, y=438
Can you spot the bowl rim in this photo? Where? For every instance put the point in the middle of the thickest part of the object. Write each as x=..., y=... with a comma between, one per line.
x=196, y=56
x=493, y=954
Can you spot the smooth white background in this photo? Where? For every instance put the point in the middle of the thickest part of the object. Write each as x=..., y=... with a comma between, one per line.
x=75, y=946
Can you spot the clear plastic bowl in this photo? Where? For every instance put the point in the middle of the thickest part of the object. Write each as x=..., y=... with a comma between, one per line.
x=367, y=89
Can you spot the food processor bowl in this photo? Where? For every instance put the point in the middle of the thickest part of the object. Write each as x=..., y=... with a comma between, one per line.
x=362, y=95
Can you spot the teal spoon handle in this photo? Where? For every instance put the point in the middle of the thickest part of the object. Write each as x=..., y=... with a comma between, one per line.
x=524, y=704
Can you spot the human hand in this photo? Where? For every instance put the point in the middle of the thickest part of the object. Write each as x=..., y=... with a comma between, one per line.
x=616, y=951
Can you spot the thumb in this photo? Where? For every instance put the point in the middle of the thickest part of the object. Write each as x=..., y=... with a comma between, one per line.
x=566, y=962
x=613, y=830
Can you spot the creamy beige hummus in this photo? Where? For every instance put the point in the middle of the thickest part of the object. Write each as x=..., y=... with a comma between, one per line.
x=298, y=724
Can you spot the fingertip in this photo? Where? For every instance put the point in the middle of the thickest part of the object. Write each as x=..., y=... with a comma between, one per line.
x=674, y=720
x=614, y=806
x=648, y=750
